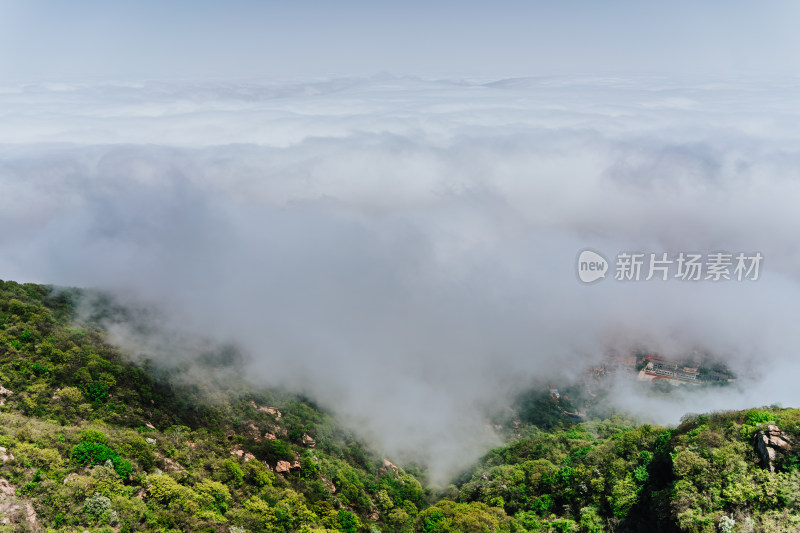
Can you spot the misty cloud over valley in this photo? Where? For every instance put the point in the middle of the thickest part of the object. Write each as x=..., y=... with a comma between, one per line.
x=403, y=250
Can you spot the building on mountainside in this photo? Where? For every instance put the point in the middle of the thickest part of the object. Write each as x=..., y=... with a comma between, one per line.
x=673, y=372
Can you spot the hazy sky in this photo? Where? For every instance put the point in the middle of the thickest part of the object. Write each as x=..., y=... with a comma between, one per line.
x=256, y=40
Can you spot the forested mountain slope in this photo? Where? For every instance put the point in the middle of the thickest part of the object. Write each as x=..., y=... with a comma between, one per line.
x=93, y=441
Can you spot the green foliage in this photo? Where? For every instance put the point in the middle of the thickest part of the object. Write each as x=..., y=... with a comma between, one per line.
x=93, y=435
x=40, y=457
x=540, y=409
x=97, y=392
x=276, y=450
x=166, y=490
x=257, y=474
x=640, y=474
x=564, y=525
x=754, y=417
x=72, y=395
x=624, y=494
x=447, y=516
x=93, y=453
x=106, y=482
x=347, y=521
x=135, y=447
x=96, y=505
x=213, y=496
x=39, y=369
x=590, y=520
x=233, y=472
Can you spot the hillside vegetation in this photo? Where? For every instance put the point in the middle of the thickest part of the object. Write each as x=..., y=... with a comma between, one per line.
x=92, y=441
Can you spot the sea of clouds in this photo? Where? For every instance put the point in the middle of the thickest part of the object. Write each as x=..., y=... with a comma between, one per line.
x=404, y=250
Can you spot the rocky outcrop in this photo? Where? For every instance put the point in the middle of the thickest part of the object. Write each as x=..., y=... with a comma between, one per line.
x=771, y=444
x=6, y=489
x=30, y=514
x=4, y=394
x=169, y=465
x=285, y=466
x=329, y=484
x=308, y=441
x=269, y=410
x=388, y=465
x=253, y=432
x=15, y=511
x=241, y=454
x=5, y=455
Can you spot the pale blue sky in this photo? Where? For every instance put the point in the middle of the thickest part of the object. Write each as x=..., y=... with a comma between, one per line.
x=51, y=40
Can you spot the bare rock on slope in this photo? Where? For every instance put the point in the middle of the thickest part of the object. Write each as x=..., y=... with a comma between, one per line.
x=771, y=444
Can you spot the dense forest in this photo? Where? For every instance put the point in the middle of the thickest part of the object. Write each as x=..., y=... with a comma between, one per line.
x=94, y=440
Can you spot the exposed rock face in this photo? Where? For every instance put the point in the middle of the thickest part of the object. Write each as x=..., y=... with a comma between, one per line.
x=6, y=489
x=15, y=511
x=243, y=454
x=285, y=466
x=388, y=465
x=254, y=433
x=30, y=514
x=769, y=445
x=4, y=394
x=5, y=455
x=308, y=441
x=269, y=410
x=169, y=465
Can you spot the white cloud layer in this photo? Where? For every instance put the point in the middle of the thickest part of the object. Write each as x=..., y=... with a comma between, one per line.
x=404, y=250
